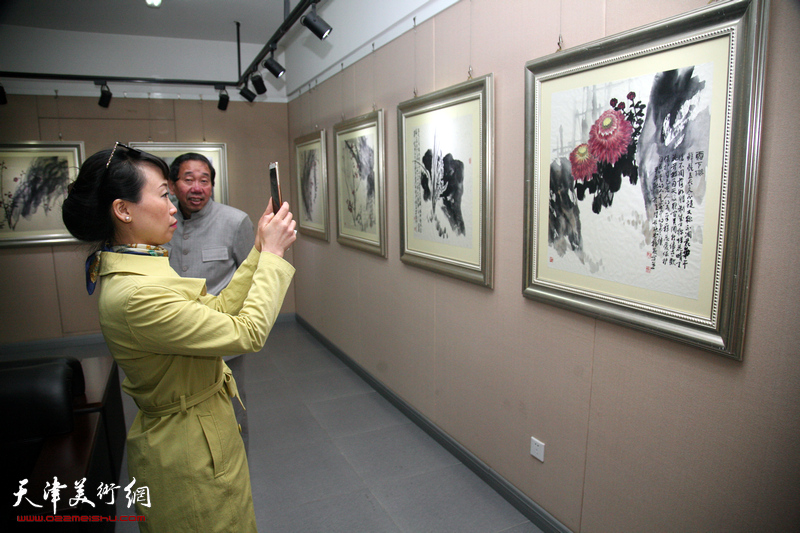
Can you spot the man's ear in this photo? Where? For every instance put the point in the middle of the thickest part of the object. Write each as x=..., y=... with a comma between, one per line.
x=120, y=210
x=171, y=185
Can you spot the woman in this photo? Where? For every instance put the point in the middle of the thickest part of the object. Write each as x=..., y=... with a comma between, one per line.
x=169, y=337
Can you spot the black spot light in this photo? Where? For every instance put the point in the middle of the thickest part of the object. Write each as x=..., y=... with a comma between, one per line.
x=314, y=22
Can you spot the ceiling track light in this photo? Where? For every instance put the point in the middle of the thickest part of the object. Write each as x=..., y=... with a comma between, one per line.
x=314, y=22
x=247, y=94
x=258, y=83
x=222, y=105
x=105, y=94
x=275, y=68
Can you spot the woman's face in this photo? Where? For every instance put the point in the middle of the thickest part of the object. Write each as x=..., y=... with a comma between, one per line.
x=151, y=219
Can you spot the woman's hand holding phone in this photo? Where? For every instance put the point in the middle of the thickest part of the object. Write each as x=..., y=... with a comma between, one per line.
x=276, y=231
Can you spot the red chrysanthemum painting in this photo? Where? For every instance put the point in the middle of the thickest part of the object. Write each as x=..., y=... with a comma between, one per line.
x=610, y=136
x=583, y=163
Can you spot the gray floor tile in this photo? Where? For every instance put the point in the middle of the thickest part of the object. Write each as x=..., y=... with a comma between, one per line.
x=394, y=452
x=453, y=499
x=328, y=385
x=356, y=512
x=293, y=476
x=259, y=367
x=273, y=391
x=286, y=426
x=527, y=527
x=310, y=361
x=290, y=337
x=359, y=413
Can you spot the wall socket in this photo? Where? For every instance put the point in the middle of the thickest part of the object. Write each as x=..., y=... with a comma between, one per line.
x=537, y=448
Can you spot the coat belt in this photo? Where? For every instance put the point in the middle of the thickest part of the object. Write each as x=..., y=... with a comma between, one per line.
x=185, y=402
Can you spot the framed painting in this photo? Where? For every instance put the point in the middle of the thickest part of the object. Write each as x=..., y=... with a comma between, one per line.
x=641, y=166
x=361, y=183
x=446, y=152
x=34, y=180
x=312, y=184
x=217, y=153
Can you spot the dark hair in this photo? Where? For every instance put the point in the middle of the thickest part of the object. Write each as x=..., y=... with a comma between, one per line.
x=175, y=167
x=87, y=209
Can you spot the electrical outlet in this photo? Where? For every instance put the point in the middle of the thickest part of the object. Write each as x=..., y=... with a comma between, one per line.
x=537, y=448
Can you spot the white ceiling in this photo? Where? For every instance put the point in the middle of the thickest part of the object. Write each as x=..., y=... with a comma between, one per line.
x=209, y=20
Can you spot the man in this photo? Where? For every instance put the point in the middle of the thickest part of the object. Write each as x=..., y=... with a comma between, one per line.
x=210, y=242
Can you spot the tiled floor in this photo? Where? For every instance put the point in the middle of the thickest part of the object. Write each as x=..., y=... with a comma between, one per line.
x=329, y=454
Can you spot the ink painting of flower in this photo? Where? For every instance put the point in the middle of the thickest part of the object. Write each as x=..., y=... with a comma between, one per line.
x=583, y=162
x=610, y=136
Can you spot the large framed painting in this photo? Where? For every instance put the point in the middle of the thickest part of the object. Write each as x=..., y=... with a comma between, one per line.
x=217, y=153
x=446, y=147
x=311, y=178
x=34, y=181
x=361, y=183
x=641, y=165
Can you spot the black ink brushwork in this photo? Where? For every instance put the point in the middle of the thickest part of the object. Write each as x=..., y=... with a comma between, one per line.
x=42, y=185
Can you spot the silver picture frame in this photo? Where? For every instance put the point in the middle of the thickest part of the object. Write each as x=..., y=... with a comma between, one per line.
x=34, y=181
x=641, y=165
x=311, y=182
x=446, y=165
x=359, y=146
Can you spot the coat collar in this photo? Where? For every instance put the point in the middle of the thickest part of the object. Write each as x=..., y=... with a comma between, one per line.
x=145, y=265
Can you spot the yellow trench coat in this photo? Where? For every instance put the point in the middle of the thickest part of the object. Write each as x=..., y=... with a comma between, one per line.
x=169, y=337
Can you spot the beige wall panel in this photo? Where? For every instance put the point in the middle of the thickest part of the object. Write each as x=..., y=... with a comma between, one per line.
x=650, y=429
x=304, y=116
x=503, y=377
x=338, y=282
x=349, y=93
x=424, y=71
x=102, y=134
x=79, y=313
x=28, y=295
x=364, y=93
x=18, y=119
x=310, y=255
x=504, y=39
x=398, y=330
x=121, y=108
x=580, y=22
x=452, y=43
x=620, y=16
x=394, y=67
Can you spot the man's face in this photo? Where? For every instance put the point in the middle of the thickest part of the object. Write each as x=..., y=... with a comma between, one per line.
x=193, y=187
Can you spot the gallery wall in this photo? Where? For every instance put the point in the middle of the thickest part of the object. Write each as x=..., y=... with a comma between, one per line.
x=42, y=288
x=641, y=433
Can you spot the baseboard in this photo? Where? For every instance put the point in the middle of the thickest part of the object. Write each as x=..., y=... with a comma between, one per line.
x=532, y=511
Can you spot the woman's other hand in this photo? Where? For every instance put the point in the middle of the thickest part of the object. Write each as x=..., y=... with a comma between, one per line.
x=276, y=231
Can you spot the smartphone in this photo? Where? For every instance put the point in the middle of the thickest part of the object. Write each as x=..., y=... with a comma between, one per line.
x=275, y=187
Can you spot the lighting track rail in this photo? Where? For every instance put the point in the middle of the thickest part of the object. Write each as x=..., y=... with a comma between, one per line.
x=253, y=68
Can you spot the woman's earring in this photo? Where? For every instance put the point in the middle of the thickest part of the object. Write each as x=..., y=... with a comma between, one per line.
x=127, y=219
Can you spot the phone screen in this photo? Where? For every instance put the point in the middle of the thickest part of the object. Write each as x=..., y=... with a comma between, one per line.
x=275, y=187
